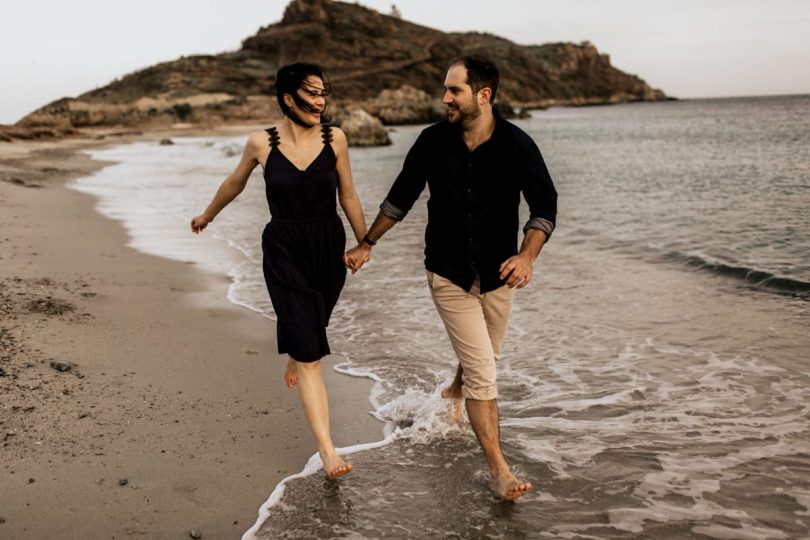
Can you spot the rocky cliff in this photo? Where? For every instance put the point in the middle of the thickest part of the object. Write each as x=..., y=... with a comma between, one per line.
x=391, y=67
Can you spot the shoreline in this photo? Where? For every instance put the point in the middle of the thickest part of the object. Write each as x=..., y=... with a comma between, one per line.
x=169, y=419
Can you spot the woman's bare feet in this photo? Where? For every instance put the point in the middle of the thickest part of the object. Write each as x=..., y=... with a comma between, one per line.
x=291, y=374
x=508, y=488
x=334, y=466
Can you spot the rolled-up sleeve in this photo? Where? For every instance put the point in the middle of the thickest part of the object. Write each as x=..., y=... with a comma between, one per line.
x=538, y=189
x=409, y=184
x=389, y=210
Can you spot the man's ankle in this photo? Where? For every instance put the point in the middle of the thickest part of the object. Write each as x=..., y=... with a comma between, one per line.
x=500, y=470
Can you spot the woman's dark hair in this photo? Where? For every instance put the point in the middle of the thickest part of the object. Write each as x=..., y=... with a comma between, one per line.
x=289, y=79
x=481, y=73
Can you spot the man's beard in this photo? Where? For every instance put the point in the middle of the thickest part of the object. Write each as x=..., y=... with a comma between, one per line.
x=465, y=115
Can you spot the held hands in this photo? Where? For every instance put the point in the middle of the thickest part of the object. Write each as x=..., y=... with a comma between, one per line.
x=356, y=257
x=519, y=270
x=199, y=223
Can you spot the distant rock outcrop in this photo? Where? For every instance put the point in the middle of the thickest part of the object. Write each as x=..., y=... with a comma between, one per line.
x=362, y=129
x=406, y=105
x=392, y=68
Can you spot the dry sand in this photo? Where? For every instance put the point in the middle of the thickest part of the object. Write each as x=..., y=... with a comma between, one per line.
x=174, y=415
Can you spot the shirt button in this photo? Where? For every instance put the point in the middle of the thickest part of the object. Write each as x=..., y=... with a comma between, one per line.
x=469, y=215
x=469, y=190
x=469, y=164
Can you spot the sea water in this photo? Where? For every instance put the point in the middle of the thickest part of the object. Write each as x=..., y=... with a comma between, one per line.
x=654, y=380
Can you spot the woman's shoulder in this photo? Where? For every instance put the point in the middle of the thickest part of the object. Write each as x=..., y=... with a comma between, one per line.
x=264, y=133
x=261, y=138
x=335, y=130
x=338, y=137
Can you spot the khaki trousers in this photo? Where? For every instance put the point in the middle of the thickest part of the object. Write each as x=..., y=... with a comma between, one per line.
x=476, y=324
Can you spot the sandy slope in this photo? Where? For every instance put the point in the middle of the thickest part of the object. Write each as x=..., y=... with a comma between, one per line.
x=174, y=415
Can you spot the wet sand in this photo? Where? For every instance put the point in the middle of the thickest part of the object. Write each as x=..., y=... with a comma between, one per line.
x=173, y=415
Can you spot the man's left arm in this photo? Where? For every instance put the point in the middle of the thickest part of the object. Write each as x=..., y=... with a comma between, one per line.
x=538, y=190
x=518, y=268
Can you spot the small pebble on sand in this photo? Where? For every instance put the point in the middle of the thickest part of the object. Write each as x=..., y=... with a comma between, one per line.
x=61, y=365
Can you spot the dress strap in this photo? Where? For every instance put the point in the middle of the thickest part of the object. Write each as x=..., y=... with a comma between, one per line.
x=272, y=136
x=326, y=133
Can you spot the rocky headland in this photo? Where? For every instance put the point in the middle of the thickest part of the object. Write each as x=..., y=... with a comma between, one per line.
x=387, y=67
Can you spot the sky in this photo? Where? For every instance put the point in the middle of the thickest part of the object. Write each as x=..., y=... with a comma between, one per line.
x=689, y=48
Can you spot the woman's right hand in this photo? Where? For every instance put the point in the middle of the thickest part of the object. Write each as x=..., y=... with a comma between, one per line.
x=198, y=223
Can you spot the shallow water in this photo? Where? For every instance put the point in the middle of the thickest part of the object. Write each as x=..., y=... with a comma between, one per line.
x=654, y=379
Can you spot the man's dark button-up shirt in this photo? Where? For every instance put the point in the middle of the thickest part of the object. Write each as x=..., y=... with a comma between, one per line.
x=474, y=199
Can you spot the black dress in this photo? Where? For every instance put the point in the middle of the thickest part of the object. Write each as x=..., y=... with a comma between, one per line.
x=303, y=248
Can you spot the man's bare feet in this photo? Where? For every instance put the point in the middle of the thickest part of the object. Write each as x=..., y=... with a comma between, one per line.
x=452, y=392
x=508, y=488
x=291, y=374
x=454, y=410
x=334, y=466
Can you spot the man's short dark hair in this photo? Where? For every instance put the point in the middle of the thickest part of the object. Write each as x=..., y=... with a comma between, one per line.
x=481, y=73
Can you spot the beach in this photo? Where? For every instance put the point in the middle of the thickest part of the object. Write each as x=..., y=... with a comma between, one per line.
x=173, y=415
x=654, y=375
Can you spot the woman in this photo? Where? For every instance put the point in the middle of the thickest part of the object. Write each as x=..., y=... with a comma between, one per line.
x=305, y=162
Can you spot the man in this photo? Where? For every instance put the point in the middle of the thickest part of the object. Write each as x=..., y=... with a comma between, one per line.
x=476, y=165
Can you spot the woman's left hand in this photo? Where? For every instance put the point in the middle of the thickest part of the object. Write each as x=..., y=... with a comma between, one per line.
x=355, y=258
